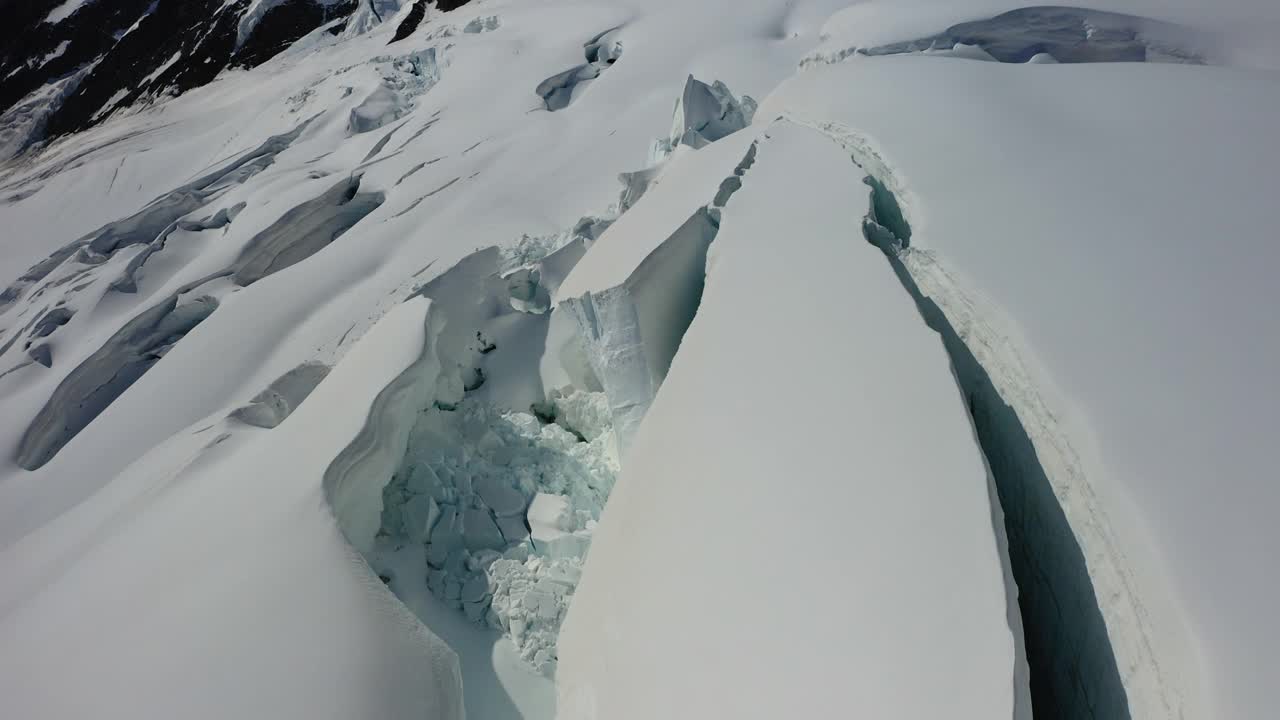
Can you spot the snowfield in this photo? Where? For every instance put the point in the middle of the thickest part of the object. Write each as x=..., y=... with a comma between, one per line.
x=606, y=359
x=796, y=475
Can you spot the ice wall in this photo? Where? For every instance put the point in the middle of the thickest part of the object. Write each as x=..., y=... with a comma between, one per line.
x=635, y=292
x=631, y=331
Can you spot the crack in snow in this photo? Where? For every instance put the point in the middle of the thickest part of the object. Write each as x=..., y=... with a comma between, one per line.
x=1086, y=631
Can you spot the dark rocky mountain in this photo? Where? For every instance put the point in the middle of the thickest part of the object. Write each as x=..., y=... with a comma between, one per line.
x=66, y=65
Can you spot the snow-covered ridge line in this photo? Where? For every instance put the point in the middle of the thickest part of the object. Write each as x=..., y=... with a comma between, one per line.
x=1089, y=640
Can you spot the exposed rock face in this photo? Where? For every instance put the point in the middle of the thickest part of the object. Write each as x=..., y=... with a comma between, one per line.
x=110, y=55
x=411, y=21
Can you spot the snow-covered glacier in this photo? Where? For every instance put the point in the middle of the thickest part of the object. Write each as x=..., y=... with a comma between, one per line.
x=597, y=359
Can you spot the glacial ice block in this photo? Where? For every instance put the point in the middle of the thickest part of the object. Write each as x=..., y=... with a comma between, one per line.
x=703, y=114
x=803, y=527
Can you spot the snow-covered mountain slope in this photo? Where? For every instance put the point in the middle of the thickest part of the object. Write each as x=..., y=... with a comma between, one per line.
x=64, y=69
x=902, y=358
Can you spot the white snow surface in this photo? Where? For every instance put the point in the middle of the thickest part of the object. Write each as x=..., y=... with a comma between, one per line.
x=317, y=636
x=1131, y=272
x=859, y=441
x=802, y=525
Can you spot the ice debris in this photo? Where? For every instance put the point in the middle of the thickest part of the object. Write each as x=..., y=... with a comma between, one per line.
x=541, y=263
x=504, y=504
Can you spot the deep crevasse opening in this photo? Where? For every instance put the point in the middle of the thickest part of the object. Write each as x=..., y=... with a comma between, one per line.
x=1072, y=664
x=474, y=489
x=506, y=457
x=514, y=450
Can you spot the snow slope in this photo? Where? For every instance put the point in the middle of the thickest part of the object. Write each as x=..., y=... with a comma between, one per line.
x=1130, y=267
x=239, y=322
x=316, y=636
x=839, y=463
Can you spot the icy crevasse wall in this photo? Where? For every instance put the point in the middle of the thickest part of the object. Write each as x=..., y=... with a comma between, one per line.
x=631, y=332
x=1071, y=661
x=356, y=501
x=1075, y=671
